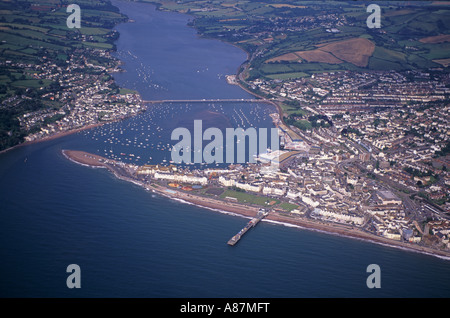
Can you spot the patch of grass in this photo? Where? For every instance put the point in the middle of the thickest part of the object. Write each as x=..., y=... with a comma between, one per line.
x=93, y=31
x=32, y=83
x=303, y=124
x=106, y=46
x=383, y=65
x=389, y=55
x=124, y=91
x=288, y=206
x=244, y=197
x=284, y=76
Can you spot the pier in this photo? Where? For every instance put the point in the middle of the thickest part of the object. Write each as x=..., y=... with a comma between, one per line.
x=259, y=216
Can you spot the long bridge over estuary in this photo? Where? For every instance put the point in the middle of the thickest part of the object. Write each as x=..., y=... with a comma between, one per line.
x=219, y=100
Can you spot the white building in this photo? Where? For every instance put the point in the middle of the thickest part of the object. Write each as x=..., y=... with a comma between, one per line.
x=340, y=217
x=181, y=178
x=227, y=182
x=309, y=201
x=293, y=194
x=387, y=197
x=249, y=187
x=273, y=191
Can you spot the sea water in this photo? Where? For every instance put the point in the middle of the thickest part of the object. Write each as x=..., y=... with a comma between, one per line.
x=130, y=242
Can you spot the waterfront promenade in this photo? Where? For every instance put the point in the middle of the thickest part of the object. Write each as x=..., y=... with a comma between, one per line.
x=121, y=171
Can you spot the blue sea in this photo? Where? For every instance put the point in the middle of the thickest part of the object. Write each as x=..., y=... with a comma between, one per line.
x=129, y=242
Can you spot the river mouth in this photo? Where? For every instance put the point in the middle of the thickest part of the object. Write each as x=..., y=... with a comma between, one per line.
x=130, y=242
x=165, y=59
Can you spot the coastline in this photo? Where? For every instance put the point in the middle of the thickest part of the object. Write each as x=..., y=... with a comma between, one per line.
x=264, y=100
x=276, y=218
x=238, y=82
x=64, y=133
x=89, y=126
x=54, y=136
x=238, y=74
x=247, y=211
x=330, y=229
x=95, y=161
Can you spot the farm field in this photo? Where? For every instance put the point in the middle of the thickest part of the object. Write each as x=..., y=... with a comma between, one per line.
x=436, y=39
x=356, y=51
x=34, y=39
x=293, y=38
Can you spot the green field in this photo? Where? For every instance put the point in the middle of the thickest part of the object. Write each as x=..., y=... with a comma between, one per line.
x=35, y=32
x=284, y=76
x=124, y=91
x=252, y=26
x=288, y=206
x=31, y=83
x=27, y=31
x=244, y=197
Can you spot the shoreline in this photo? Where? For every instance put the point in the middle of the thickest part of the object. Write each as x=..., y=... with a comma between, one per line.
x=237, y=209
x=64, y=133
x=306, y=224
x=242, y=210
x=89, y=126
x=56, y=135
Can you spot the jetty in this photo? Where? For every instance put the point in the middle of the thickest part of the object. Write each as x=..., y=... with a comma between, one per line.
x=262, y=213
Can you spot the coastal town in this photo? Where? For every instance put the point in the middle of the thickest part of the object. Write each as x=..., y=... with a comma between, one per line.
x=322, y=177
x=346, y=91
x=86, y=96
x=363, y=151
x=55, y=79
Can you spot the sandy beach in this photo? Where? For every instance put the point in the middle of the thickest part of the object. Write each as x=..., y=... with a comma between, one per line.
x=250, y=211
x=301, y=222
